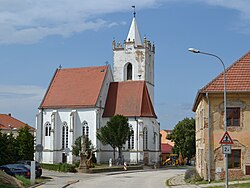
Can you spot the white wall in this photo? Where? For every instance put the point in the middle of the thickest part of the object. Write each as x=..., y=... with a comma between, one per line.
x=53, y=144
x=131, y=156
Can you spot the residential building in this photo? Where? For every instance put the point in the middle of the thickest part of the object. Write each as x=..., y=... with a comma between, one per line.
x=79, y=101
x=9, y=124
x=166, y=144
x=209, y=109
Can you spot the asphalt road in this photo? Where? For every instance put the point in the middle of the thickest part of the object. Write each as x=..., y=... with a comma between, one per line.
x=130, y=179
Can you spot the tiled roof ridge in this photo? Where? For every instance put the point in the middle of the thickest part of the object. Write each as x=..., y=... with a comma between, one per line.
x=141, y=97
x=6, y=115
x=88, y=67
x=227, y=69
x=48, y=88
x=150, y=105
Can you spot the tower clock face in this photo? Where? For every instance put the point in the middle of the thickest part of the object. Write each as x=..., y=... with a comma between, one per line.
x=128, y=49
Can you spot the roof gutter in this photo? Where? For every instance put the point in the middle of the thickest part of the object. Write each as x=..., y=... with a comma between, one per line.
x=200, y=93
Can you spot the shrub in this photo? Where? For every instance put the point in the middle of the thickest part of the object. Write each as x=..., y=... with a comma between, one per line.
x=77, y=163
x=191, y=175
x=61, y=167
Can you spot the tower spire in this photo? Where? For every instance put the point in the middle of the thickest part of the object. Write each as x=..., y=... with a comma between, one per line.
x=134, y=34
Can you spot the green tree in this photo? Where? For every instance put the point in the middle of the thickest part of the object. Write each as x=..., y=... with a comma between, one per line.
x=25, y=142
x=77, y=147
x=115, y=133
x=8, y=148
x=183, y=135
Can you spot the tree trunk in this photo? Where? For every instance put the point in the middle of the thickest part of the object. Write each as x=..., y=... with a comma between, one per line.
x=120, y=152
x=120, y=155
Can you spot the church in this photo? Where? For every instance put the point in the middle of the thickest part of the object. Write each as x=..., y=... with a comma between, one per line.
x=79, y=101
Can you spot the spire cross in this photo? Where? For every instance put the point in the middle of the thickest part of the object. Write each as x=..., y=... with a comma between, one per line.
x=134, y=10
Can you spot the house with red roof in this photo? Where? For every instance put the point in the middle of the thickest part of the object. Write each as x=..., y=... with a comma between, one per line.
x=79, y=101
x=9, y=124
x=166, y=145
x=209, y=109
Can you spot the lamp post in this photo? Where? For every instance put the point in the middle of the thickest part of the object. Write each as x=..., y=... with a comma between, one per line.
x=193, y=50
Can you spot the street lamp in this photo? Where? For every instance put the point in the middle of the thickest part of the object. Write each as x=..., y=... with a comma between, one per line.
x=193, y=50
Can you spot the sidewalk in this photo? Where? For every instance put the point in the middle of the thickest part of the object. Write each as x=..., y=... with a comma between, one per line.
x=178, y=182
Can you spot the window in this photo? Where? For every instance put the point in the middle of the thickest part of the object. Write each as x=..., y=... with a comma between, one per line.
x=47, y=129
x=129, y=71
x=65, y=135
x=131, y=139
x=234, y=159
x=233, y=116
x=85, y=128
x=155, y=136
x=145, y=138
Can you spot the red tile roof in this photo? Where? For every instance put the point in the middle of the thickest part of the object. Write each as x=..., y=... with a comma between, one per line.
x=130, y=98
x=166, y=148
x=8, y=122
x=237, y=79
x=75, y=87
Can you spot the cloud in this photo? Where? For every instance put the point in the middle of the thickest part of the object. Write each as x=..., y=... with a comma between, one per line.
x=29, y=21
x=21, y=100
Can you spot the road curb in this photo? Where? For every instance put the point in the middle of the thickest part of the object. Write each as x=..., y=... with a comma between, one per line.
x=70, y=183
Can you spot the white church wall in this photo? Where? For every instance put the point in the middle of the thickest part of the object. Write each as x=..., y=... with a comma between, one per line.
x=53, y=144
x=38, y=135
x=88, y=115
x=131, y=155
x=103, y=97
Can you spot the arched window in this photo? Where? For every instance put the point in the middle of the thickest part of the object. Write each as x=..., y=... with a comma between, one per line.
x=85, y=128
x=129, y=71
x=47, y=129
x=131, y=139
x=145, y=138
x=65, y=135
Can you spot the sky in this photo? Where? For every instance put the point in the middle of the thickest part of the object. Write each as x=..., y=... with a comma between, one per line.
x=36, y=37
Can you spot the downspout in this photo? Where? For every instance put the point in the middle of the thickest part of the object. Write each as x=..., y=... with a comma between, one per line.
x=137, y=139
x=209, y=147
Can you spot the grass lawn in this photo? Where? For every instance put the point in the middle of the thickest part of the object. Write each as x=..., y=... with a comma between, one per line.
x=5, y=186
x=234, y=186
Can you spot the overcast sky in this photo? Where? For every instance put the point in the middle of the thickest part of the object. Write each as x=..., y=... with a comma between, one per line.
x=38, y=36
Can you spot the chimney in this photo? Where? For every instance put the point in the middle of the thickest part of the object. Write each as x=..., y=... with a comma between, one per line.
x=9, y=114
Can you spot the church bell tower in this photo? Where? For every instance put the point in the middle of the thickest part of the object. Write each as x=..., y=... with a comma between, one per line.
x=134, y=60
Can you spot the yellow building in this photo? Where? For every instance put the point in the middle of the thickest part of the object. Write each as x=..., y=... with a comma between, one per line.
x=209, y=109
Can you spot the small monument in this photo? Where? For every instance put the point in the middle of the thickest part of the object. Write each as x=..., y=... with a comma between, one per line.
x=83, y=155
x=86, y=154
